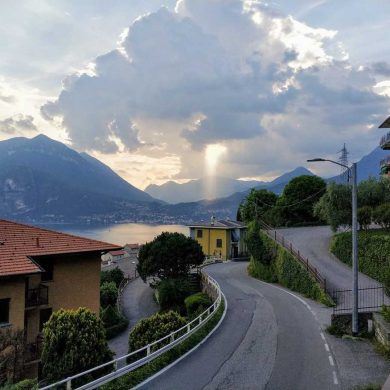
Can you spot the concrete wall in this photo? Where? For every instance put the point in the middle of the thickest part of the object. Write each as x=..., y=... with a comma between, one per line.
x=13, y=288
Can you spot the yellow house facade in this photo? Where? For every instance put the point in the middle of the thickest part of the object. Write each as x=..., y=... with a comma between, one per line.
x=221, y=239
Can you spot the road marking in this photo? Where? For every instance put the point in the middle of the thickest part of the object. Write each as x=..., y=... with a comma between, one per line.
x=331, y=362
x=322, y=336
x=327, y=347
x=335, y=380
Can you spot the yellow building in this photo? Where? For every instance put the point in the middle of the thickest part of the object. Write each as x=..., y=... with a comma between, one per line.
x=42, y=271
x=221, y=239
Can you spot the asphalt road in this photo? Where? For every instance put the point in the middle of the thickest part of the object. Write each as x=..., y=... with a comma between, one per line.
x=313, y=243
x=270, y=339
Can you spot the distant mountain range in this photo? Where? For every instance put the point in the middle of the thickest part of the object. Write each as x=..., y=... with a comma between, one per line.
x=40, y=177
x=42, y=180
x=193, y=190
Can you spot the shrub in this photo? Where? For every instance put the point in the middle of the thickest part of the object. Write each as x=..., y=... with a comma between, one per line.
x=27, y=384
x=115, y=275
x=108, y=294
x=153, y=328
x=74, y=341
x=172, y=293
x=374, y=249
x=114, y=322
x=365, y=217
x=197, y=303
x=386, y=313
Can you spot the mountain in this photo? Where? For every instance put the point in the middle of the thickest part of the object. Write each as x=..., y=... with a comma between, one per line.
x=367, y=167
x=40, y=176
x=194, y=190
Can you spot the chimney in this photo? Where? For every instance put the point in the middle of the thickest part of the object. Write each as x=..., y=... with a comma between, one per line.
x=212, y=220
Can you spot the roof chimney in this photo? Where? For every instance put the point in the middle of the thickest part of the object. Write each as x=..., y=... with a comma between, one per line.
x=212, y=220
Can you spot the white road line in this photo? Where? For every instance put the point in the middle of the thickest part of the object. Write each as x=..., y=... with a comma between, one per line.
x=331, y=362
x=327, y=347
x=335, y=380
x=322, y=336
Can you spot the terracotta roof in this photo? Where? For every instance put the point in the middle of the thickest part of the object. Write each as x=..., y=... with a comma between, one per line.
x=19, y=244
x=132, y=246
x=220, y=224
x=117, y=253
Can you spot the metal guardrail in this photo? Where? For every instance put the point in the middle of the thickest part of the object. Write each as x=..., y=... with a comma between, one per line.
x=152, y=350
x=277, y=237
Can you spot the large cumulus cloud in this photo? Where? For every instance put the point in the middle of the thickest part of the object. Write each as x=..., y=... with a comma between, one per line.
x=225, y=71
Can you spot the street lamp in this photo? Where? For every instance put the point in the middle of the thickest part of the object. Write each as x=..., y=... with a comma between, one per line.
x=353, y=171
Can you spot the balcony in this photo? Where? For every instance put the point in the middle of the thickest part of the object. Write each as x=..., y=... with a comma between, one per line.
x=385, y=166
x=385, y=142
x=37, y=296
x=33, y=351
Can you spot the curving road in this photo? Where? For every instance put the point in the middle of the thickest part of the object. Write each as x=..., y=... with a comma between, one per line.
x=270, y=339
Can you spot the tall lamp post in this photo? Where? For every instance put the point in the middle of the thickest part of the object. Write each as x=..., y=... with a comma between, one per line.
x=355, y=287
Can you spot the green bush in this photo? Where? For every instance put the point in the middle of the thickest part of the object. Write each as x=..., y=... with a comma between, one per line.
x=197, y=303
x=74, y=341
x=114, y=322
x=115, y=275
x=108, y=294
x=386, y=313
x=285, y=269
x=382, y=215
x=374, y=253
x=172, y=293
x=27, y=384
x=135, y=377
x=154, y=328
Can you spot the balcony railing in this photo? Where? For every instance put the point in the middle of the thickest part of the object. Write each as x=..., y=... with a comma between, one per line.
x=37, y=296
x=33, y=350
x=385, y=141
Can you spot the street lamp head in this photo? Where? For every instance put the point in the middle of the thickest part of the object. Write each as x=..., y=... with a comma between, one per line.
x=316, y=160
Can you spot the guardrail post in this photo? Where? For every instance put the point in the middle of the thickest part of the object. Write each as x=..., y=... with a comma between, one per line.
x=188, y=328
x=148, y=350
x=172, y=337
x=69, y=385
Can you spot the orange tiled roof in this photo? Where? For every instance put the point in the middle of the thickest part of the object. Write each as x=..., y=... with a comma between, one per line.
x=19, y=243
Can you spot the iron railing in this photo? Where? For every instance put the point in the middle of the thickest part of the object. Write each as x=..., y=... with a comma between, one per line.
x=385, y=141
x=150, y=351
x=279, y=238
x=385, y=162
x=37, y=296
x=369, y=299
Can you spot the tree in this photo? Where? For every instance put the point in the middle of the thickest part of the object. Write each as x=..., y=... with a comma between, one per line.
x=335, y=206
x=115, y=275
x=297, y=201
x=258, y=204
x=382, y=215
x=255, y=244
x=108, y=294
x=169, y=256
x=371, y=192
x=365, y=217
x=12, y=345
x=74, y=341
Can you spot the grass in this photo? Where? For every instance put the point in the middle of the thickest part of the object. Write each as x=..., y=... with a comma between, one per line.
x=139, y=375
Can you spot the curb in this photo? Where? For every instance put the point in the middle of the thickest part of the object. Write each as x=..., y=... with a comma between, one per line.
x=157, y=374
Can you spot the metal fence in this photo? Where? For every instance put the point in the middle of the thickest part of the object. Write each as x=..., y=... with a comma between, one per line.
x=277, y=237
x=369, y=299
x=145, y=354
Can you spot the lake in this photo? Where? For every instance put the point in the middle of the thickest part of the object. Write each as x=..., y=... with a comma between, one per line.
x=121, y=234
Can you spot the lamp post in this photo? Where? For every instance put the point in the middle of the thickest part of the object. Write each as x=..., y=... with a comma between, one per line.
x=355, y=286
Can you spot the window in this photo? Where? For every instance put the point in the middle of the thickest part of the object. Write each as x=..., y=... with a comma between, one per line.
x=199, y=233
x=219, y=242
x=47, y=265
x=4, y=311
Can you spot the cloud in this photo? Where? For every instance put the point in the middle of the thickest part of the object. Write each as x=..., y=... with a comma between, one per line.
x=382, y=68
x=226, y=72
x=17, y=124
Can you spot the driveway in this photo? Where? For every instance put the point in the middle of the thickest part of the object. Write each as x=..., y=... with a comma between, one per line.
x=137, y=303
x=313, y=243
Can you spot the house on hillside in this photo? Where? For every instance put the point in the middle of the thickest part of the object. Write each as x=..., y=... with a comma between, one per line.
x=221, y=239
x=132, y=249
x=385, y=145
x=114, y=256
x=42, y=271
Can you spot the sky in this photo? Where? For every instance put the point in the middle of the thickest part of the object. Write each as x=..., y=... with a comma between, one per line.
x=177, y=90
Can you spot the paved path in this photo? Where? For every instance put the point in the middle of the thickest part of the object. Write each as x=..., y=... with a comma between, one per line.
x=269, y=339
x=137, y=303
x=313, y=243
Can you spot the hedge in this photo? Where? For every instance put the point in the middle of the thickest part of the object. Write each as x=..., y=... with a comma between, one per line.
x=374, y=253
x=139, y=375
x=286, y=270
x=196, y=304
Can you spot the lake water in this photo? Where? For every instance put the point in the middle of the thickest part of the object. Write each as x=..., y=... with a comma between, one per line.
x=121, y=234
